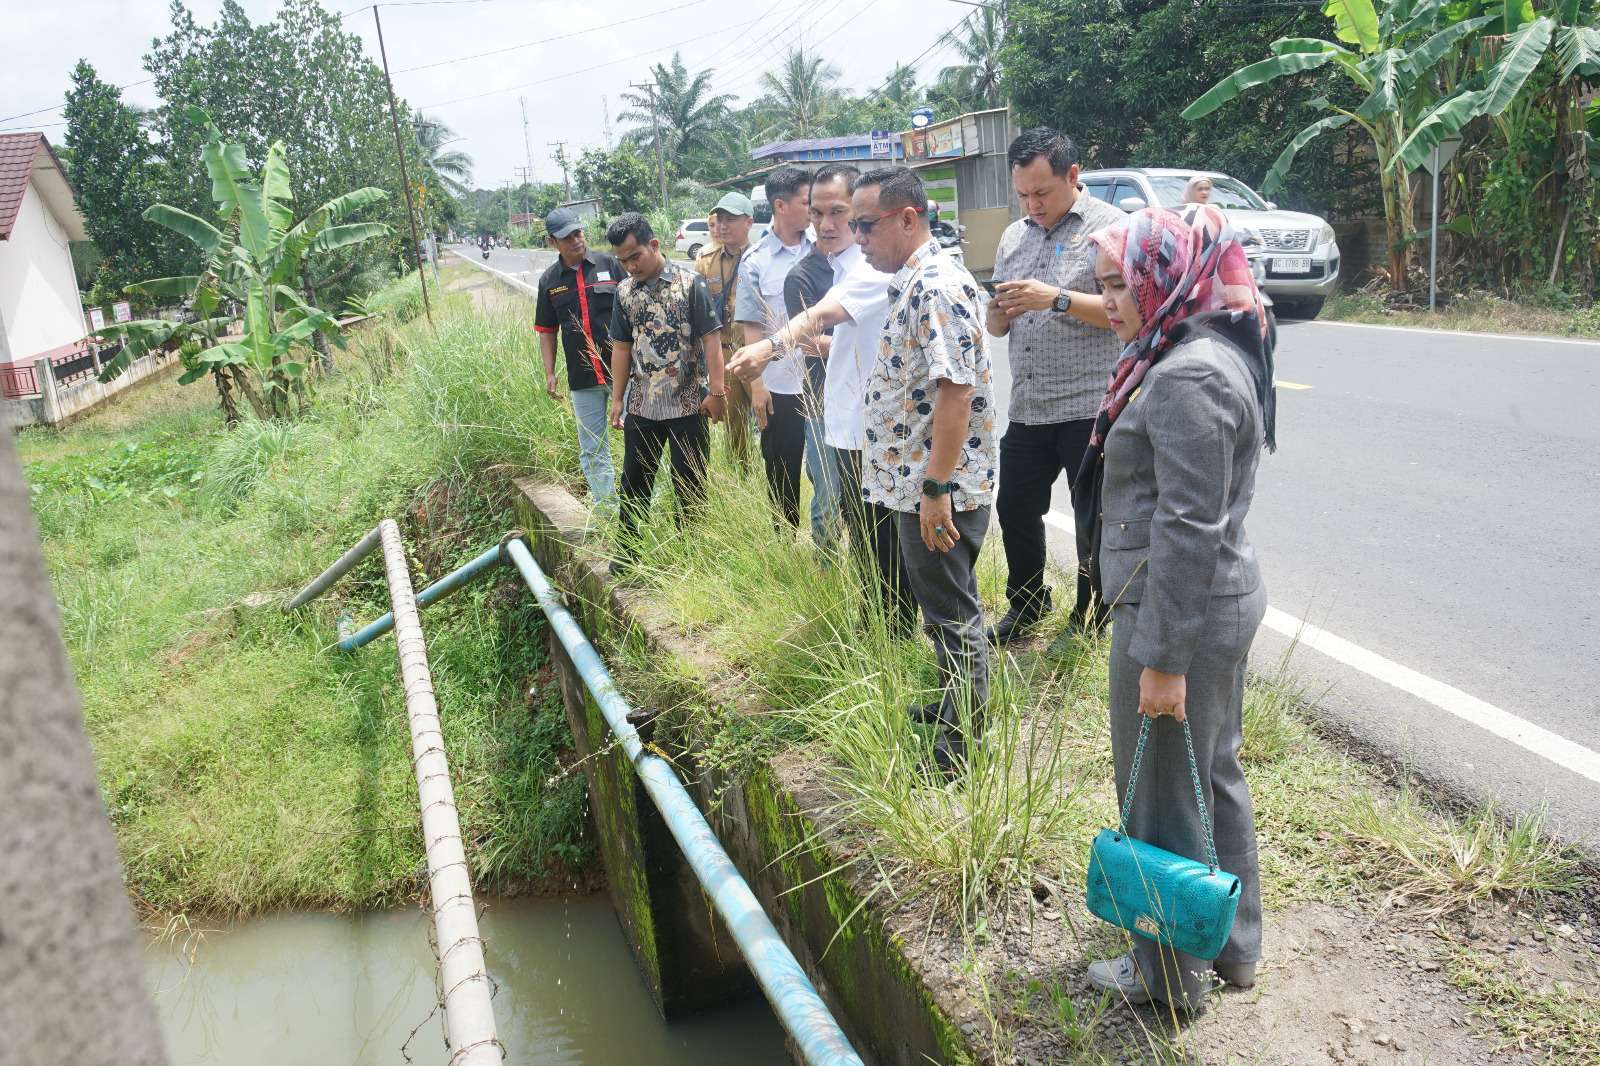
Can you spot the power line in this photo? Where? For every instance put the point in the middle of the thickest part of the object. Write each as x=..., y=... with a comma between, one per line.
x=593, y=67
x=549, y=40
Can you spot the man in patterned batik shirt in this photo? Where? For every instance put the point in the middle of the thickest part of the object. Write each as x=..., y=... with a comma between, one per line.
x=930, y=448
x=666, y=368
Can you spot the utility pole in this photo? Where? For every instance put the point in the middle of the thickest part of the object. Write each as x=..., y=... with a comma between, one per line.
x=405, y=182
x=526, y=174
x=527, y=144
x=605, y=102
x=655, y=123
x=561, y=157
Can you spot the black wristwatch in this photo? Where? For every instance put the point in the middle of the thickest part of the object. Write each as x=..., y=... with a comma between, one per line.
x=931, y=487
x=1063, y=302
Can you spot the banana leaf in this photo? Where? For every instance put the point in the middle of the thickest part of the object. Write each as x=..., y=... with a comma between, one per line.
x=164, y=288
x=1280, y=168
x=275, y=194
x=1385, y=69
x=201, y=233
x=1445, y=120
x=1516, y=64
x=1355, y=22
x=1256, y=74
x=1578, y=51
x=1422, y=58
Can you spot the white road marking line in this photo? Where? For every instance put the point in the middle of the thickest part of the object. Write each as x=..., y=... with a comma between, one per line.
x=1288, y=384
x=1567, y=754
x=1503, y=724
x=1454, y=333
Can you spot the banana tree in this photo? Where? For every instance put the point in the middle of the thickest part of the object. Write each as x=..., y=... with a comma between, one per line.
x=250, y=258
x=1395, y=57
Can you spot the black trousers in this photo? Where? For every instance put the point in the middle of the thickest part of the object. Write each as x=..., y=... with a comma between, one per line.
x=1031, y=458
x=643, y=441
x=783, y=449
x=875, y=542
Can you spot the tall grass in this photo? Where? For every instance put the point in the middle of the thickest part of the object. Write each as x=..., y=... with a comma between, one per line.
x=245, y=767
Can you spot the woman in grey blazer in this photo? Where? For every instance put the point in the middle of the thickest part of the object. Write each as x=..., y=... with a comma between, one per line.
x=1176, y=444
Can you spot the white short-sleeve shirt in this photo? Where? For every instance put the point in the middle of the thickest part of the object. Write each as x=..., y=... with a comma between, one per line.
x=864, y=294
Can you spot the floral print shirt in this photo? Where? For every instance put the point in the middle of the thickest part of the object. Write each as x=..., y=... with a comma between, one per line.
x=933, y=333
x=665, y=320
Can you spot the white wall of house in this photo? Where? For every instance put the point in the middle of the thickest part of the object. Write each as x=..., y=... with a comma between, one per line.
x=40, y=310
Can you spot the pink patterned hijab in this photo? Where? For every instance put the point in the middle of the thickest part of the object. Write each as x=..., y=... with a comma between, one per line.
x=1179, y=270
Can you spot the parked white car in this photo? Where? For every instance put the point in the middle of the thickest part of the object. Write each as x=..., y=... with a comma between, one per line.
x=1297, y=252
x=693, y=234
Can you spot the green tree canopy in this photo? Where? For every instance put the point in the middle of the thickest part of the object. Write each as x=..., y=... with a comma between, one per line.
x=117, y=176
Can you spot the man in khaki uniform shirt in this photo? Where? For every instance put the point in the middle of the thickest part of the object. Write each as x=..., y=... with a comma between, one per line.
x=719, y=265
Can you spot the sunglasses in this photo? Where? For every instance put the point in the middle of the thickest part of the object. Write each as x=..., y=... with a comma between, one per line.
x=864, y=225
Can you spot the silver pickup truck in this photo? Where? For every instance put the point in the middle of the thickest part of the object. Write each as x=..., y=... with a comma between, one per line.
x=1296, y=254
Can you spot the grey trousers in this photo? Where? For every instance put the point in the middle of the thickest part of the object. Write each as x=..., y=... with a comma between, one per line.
x=945, y=585
x=1164, y=810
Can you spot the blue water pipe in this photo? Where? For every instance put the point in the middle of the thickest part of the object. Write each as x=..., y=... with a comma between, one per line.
x=794, y=999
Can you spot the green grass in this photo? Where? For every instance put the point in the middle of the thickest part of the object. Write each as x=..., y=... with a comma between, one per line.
x=246, y=765
x=1550, y=314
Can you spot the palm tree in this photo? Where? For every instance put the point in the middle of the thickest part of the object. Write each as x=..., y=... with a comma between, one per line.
x=452, y=168
x=801, y=97
x=688, y=115
x=975, y=81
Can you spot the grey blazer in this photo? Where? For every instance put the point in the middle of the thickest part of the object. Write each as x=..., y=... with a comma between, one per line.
x=1180, y=471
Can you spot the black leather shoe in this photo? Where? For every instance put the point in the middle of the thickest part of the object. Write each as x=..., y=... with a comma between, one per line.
x=1018, y=621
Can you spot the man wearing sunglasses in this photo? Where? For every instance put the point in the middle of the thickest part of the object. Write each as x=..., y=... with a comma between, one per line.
x=930, y=448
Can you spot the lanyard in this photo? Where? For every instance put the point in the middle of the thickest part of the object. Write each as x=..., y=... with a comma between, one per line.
x=591, y=349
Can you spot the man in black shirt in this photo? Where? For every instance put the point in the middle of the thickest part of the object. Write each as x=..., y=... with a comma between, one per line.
x=576, y=297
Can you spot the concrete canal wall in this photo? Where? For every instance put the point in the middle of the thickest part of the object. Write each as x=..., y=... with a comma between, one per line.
x=769, y=818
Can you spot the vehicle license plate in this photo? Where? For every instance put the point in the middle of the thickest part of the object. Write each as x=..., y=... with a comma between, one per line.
x=1290, y=266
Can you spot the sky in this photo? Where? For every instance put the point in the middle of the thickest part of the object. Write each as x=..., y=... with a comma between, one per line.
x=567, y=83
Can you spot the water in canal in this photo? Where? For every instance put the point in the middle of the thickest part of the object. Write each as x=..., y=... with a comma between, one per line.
x=339, y=990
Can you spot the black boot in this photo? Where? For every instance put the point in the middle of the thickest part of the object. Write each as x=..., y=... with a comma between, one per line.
x=1018, y=621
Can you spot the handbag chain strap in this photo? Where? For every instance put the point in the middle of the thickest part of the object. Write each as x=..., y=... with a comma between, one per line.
x=1194, y=775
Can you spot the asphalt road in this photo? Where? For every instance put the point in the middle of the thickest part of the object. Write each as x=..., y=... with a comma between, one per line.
x=1431, y=509
x=1433, y=502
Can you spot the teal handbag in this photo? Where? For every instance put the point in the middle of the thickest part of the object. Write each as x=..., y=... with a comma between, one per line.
x=1178, y=902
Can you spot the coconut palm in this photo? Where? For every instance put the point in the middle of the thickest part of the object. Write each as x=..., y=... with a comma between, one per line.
x=452, y=168
x=975, y=81
x=683, y=108
x=801, y=97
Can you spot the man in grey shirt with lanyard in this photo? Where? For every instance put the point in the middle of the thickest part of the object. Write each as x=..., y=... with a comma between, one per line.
x=1062, y=349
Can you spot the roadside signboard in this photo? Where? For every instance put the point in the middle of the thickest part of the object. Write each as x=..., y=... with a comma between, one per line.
x=97, y=319
x=121, y=312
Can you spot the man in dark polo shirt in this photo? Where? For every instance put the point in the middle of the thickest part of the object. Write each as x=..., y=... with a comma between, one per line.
x=576, y=296
x=1048, y=303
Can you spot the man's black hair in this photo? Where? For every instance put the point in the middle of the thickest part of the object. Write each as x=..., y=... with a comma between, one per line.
x=1054, y=145
x=785, y=182
x=835, y=171
x=631, y=224
x=898, y=187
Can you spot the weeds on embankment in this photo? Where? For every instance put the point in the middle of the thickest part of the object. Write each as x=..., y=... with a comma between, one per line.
x=245, y=764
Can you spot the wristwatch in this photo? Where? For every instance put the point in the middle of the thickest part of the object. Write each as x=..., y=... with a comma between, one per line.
x=931, y=487
x=1063, y=302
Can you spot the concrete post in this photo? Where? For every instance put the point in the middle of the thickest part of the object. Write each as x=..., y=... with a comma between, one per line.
x=94, y=353
x=45, y=377
x=71, y=962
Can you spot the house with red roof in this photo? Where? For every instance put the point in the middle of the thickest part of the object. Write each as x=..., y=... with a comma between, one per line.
x=41, y=313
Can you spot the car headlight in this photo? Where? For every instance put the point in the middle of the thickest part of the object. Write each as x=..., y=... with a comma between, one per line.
x=1327, y=235
x=1249, y=235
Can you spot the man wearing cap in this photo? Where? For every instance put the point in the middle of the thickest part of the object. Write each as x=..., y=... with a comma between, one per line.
x=719, y=265
x=576, y=295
